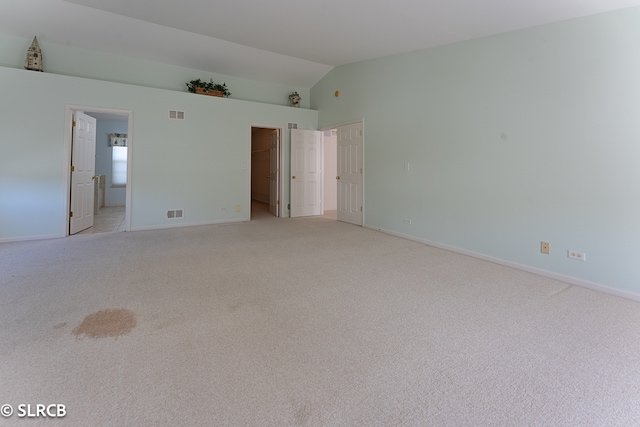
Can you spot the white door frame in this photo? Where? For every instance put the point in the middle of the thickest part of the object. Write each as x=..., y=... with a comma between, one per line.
x=275, y=210
x=364, y=168
x=280, y=155
x=68, y=117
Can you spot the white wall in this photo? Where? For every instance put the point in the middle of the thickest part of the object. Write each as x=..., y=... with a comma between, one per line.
x=199, y=164
x=514, y=139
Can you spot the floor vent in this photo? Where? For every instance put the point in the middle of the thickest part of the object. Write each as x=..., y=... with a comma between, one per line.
x=176, y=115
x=175, y=214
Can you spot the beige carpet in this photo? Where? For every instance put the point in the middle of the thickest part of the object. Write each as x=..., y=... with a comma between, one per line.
x=306, y=321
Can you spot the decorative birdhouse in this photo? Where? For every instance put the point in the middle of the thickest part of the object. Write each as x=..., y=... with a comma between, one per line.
x=34, y=57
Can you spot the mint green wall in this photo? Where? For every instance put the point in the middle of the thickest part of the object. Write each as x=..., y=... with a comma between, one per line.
x=73, y=61
x=195, y=164
x=514, y=139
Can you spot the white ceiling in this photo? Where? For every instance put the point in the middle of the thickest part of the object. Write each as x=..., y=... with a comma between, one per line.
x=293, y=42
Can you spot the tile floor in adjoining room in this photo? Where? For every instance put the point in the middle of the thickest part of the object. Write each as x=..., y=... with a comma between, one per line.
x=109, y=219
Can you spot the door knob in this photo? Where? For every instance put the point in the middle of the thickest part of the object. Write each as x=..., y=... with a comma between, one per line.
x=337, y=177
x=293, y=177
x=95, y=177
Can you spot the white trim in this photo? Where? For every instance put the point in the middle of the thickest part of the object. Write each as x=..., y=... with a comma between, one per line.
x=364, y=170
x=281, y=173
x=69, y=109
x=27, y=238
x=540, y=272
x=189, y=224
x=323, y=191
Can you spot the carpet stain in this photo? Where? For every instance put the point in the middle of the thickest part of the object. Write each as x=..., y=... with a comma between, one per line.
x=106, y=323
x=60, y=325
x=301, y=415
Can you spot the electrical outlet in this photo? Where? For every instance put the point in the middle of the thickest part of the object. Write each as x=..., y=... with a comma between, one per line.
x=580, y=256
x=407, y=221
x=544, y=248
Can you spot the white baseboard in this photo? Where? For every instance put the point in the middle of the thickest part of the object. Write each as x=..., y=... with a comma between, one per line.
x=27, y=238
x=187, y=224
x=143, y=228
x=540, y=272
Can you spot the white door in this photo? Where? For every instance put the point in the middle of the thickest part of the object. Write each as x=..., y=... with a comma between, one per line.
x=349, y=178
x=83, y=152
x=274, y=172
x=306, y=172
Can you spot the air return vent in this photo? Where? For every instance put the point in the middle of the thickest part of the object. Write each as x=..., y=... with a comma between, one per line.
x=175, y=214
x=293, y=126
x=176, y=115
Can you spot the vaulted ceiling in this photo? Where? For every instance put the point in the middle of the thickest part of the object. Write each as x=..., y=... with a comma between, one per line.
x=293, y=42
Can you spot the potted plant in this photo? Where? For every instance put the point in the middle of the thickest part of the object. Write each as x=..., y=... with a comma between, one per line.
x=208, y=88
x=294, y=99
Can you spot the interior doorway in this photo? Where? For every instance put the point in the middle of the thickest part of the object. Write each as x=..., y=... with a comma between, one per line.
x=266, y=160
x=349, y=171
x=108, y=205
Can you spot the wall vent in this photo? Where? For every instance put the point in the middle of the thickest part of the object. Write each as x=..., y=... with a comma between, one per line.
x=293, y=126
x=175, y=214
x=176, y=115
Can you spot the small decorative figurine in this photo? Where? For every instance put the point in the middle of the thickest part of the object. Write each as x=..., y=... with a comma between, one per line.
x=294, y=99
x=34, y=57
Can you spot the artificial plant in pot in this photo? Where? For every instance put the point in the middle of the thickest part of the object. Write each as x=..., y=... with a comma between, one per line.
x=208, y=88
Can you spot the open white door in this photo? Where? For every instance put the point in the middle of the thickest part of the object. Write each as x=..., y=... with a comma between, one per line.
x=306, y=172
x=83, y=152
x=349, y=179
x=274, y=173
